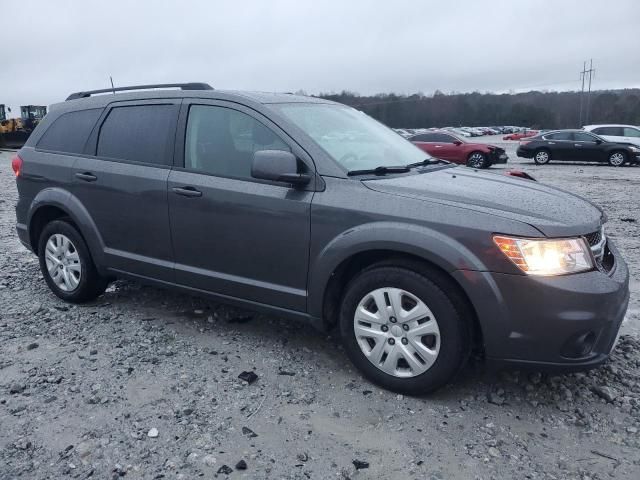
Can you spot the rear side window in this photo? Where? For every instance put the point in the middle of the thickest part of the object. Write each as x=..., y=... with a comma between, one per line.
x=141, y=133
x=69, y=132
x=583, y=137
x=612, y=131
x=559, y=136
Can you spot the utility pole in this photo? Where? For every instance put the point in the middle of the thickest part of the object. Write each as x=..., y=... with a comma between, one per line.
x=583, y=76
x=591, y=72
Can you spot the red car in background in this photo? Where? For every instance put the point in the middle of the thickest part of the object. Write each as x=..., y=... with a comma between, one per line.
x=519, y=135
x=447, y=146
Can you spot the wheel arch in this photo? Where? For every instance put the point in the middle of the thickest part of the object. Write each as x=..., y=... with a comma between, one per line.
x=54, y=203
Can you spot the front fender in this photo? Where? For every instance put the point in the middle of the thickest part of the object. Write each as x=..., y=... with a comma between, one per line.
x=68, y=203
x=420, y=241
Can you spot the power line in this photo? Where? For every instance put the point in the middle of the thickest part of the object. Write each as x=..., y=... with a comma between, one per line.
x=583, y=76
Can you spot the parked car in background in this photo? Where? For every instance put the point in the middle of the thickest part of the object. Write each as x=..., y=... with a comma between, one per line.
x=447, y=146
x=457, y=131
x=576, y=145
x=522, y=134
x=616, y=133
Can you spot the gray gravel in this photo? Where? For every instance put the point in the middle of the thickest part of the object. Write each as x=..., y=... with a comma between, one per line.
x=144, y=383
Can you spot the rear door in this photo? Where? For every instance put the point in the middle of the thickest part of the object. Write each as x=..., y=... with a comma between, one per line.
x=232, y=234
x=122, y=181
x=560, y=144
x=631, y=135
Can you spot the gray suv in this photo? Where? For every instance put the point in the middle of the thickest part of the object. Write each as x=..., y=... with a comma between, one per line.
x=309, y=209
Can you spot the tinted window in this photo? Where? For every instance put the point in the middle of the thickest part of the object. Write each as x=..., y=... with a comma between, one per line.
x=613, y=131
x=221, y=141
x=140, y=133
x=583, y=137
x=631, y=132
x=445, y=138
x=559, y=136
x=69, y=132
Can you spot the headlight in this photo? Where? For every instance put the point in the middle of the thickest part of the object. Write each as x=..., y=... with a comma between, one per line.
x=546, y=257
x=634, y=149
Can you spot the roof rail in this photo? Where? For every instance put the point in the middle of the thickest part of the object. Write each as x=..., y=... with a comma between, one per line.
x=182, y=86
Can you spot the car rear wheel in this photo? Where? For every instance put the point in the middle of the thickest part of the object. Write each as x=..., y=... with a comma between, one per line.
x=477, y=160
x=66, y=264
x=542, y=157
x=402, y=330
x=617, y=159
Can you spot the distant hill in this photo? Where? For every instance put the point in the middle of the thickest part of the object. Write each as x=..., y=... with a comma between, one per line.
x=534, y=109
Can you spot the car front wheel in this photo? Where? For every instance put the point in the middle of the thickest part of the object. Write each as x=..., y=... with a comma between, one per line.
x=402, y=330
x=477, y=160
x=617, y=159
x=66, y=264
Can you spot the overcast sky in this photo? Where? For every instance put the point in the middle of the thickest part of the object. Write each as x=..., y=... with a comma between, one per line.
x=51, y=48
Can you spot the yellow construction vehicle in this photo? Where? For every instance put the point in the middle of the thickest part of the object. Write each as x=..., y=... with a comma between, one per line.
x=15, y=131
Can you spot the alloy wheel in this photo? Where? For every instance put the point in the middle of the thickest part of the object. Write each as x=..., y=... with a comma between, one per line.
x=476, y=160
x=63, y=262
x=542, y=157
x=397, y=332
x=616, y=159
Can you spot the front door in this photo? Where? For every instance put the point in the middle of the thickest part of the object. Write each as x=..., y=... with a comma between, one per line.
x=232, y=234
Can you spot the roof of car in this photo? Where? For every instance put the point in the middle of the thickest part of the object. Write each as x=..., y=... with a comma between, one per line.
x=257, y=97
x=610, y=125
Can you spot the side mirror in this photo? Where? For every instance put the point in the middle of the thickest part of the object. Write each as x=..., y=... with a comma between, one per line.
x=457, y=143
x=598, y=141
x=279, y=166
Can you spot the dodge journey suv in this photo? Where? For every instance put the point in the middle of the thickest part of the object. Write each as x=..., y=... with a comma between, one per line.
x=306, y=208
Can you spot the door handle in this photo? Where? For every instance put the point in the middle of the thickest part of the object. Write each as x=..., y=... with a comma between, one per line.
x=187, y=191
x=577, y=145
x=86, y=176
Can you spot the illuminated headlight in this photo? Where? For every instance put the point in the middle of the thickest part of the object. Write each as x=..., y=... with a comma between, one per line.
x=546, y=257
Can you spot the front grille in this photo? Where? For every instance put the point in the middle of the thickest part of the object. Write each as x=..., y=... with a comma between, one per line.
x=594, y=238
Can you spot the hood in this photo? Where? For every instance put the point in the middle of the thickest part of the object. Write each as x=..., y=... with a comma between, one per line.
x=554, y=212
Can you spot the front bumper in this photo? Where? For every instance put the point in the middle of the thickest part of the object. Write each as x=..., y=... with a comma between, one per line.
x=498, y=157
x=567, y=322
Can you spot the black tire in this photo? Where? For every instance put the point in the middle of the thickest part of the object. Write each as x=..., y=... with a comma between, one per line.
x=91, y=284
x=477, y=160
x=615, y=156
x=542, y=156
x=454, y=329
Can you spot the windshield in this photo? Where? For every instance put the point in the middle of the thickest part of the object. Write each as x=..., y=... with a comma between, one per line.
x=353, y=139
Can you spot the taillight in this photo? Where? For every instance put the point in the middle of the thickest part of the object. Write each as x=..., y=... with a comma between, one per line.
x=16, y=164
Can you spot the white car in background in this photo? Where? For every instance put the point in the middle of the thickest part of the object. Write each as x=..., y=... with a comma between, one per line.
x=616, y=133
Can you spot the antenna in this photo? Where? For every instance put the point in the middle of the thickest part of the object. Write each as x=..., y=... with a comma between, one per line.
x=112, y=87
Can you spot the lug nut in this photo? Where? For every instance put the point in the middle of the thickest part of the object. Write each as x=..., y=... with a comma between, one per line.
x=393, y=319
x=392, y=341
x=404, y=341
x=384, y=328
x=405, y=327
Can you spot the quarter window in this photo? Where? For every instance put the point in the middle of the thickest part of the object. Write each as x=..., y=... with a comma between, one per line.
x=141, y=133
x=222, y=141
x=69, y=132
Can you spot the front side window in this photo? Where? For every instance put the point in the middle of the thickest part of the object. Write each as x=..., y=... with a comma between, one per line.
x=69, y=132
x=631, y=132
x=583, y=137
x=140, y=133
x=353, y=139
x=222, y=141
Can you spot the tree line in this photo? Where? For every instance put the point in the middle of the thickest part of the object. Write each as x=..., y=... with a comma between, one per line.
x=533, y=109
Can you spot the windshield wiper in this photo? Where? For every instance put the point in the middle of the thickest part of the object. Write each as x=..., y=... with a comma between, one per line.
x=428, y=161
x=380, y=170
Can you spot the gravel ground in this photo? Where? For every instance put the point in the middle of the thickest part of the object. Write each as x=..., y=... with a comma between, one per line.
x=144, y=383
